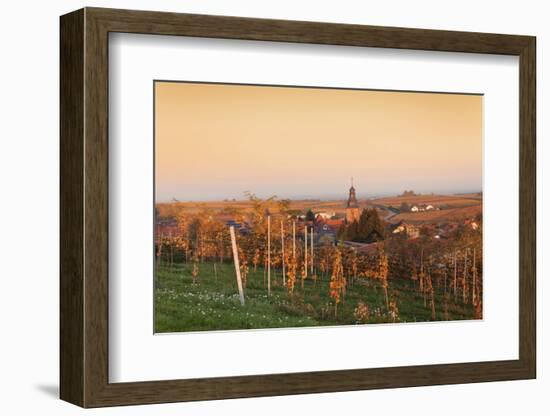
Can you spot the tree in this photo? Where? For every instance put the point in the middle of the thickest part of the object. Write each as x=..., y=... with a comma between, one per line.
x=368, y=229
x=352, y=231
x=259, y=210
x=383, y=270
x=195, y=272
x=293, y=213
x=404, y=207
x=256, y=258
x=375, y=228
x=291, y=274
x=284, y=206
x=363, y=229
x=337, y=283
x=243, y=261
x=393, y=309
x=310, y=216
x=430, y=289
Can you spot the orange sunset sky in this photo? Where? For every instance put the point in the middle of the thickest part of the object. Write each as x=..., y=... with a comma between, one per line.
x=215, y=141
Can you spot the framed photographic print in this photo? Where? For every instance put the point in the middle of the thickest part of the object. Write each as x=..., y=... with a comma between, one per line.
x=255, y=207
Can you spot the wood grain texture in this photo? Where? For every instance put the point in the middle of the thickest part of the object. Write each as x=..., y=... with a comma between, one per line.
x=96, y=219
x=84, y=205
x=71, y=213
x=527, y=208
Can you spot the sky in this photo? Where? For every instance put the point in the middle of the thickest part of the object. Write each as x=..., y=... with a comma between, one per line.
x=216, y=141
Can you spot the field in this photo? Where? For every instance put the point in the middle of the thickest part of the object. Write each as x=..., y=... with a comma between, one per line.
x=452, y=214
x=453, y=208
x=451, y=201
x=166, y=209
x=212, y=303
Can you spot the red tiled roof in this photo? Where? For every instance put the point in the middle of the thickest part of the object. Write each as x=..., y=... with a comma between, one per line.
x=334, y=223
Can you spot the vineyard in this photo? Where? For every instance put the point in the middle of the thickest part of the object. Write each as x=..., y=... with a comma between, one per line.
x=254, y=268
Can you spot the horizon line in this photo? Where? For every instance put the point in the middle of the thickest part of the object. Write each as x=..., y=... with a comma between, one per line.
x=318, y=198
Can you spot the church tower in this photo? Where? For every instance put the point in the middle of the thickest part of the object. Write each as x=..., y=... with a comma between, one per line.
x=352, y=207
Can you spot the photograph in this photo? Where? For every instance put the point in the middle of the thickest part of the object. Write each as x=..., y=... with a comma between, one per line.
x=283, y=206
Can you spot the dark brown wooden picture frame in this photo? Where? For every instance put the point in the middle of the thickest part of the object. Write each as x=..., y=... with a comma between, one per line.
x=84, y=207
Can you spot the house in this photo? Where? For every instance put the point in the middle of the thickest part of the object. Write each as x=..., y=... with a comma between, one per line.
x=335, y=223
x=411, y=231
x=324, y=216
x=423, y=207
x=325, y=235
x=327, y=230
x=472, y=224
x=399, y=228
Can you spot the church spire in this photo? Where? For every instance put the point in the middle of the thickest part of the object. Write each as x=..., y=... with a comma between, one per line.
x=352, y=206
x=352, y=199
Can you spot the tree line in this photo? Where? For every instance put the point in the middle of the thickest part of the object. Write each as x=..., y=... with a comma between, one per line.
x=368, y=229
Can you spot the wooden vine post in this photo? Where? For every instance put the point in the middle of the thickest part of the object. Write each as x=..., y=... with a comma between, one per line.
x=311, y=247
x=465, y=278
x=305, y=250
x=294, y=239
x=171, y=252
x=236, y=261
x=269, y=255
x=283, y=251
x=454, y=280
x=474, y=278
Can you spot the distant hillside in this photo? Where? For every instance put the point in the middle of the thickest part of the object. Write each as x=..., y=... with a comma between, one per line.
x=452, y=214
x=449, y=201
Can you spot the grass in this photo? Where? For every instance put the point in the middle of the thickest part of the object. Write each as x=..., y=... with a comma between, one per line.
x=213, y=302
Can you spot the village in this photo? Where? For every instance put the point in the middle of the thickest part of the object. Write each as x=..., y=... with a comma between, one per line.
x=407, y=215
